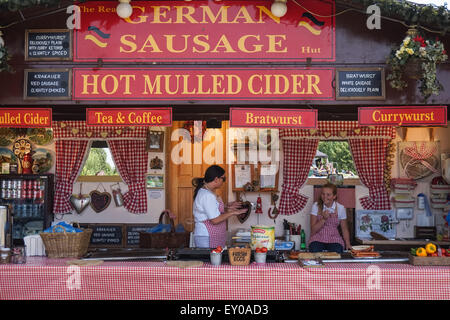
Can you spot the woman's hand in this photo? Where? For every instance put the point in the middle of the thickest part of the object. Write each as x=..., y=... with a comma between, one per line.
x=325, y=214
x=234, y=205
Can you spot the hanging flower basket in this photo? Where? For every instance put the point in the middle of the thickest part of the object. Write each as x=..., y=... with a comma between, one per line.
x=416, y=58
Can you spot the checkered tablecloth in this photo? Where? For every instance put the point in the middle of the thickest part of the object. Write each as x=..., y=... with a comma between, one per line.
x=43, y=278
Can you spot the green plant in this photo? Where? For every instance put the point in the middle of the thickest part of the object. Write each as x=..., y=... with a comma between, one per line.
x=415, y=49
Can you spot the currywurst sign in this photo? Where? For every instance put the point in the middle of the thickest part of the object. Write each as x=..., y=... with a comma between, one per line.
x=201, y=30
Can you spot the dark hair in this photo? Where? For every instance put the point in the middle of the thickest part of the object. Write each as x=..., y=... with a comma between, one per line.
x=211, y=173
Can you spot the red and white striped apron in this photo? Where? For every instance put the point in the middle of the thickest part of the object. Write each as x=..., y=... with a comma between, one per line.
x=329, y=232
x=217, y=232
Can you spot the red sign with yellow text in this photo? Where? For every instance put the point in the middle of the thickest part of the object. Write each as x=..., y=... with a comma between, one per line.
x=160, y=117
x=403, y=116
x=26, y=118
x=202, y=84
x=273, y=118
x=201, y=30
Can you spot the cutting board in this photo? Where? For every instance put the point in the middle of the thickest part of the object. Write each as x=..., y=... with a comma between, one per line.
x=429, y=261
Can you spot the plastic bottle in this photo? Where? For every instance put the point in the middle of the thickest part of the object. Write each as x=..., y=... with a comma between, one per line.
x=302, y=240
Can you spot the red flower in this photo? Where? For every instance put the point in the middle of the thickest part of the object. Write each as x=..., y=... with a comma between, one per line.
x=444, y=52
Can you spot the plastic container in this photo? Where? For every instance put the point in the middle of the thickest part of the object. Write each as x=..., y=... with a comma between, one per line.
x=260, y=257
x=5, y=255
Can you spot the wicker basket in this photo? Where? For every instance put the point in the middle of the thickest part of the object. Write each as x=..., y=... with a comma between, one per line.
x=160, y=240
x=239, y=256
x=66, y=244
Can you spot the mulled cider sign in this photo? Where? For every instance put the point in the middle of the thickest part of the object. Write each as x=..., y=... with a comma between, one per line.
x=206, y=31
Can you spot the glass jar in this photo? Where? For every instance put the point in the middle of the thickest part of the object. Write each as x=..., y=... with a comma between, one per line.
x=5, y=255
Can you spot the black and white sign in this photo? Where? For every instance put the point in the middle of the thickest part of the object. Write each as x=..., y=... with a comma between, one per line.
x=360, y=84
x=48, y=84
x=48, y=45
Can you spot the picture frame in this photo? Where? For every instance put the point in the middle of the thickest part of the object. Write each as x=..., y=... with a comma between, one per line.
x=156, y=163
x=241, y=175
x=155, y=141
x=268, y=176
x=154, y=181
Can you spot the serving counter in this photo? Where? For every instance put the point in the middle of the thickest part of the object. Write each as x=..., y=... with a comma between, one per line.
x=43, y=278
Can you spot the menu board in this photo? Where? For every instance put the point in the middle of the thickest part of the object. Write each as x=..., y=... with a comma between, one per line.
x=106, y=235
x=133, y=233
x=360, y=84
x=48, y=84
x=48, y=45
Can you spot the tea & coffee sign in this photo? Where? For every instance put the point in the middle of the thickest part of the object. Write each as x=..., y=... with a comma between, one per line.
x=206, y=31
x=161, y=117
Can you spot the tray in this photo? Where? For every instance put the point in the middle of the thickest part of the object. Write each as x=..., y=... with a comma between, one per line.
x=429, y=261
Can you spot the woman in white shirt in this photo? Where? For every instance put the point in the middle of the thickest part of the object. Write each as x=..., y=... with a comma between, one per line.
x=326, y=215
x=210, y=213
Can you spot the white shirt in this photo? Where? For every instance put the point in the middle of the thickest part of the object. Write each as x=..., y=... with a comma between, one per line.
x=340, y=209
x=206, y=207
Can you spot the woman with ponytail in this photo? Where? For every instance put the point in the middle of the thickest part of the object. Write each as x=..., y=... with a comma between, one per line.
x=326, y=216
x=210, y=213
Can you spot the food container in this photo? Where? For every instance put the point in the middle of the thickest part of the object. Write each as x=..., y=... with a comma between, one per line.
x=260, y=257
x=5, y=255
x=34, y=246
x=216, y=258
x=263, y=236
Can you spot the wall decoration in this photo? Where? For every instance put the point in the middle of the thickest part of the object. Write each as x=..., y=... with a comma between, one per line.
x=155, y=181
x=40, y=136
x=155, y=141
x=156, y=163
x=80, y=201
x=379, y=221
x=7, y=156
x=419, y=159
x=42, y=158
x=100, y=200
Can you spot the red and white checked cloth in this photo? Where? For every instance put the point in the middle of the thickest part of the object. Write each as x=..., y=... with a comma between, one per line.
x=369, y=156
x=131, y=158
x=298, y=156
x=43, y=278
x=69, y=157
x=368, y=146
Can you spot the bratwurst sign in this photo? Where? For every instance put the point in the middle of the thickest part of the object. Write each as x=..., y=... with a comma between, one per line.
x=206, y=31
x=154, y=84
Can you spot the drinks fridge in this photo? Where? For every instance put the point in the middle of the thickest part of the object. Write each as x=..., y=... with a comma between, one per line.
x=30, y=200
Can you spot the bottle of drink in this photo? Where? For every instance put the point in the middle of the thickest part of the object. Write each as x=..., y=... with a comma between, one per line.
x=302, y=240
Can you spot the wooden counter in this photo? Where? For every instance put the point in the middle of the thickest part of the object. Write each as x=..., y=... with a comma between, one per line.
x=399, y=244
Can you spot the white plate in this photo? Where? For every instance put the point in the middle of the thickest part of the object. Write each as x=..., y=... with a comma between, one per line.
x=360, y=248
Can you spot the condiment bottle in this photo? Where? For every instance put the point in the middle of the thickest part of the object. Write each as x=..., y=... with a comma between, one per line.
x=302, y=240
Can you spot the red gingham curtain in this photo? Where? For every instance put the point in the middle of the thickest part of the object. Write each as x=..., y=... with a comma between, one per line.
x=131, y=157
x=69, y=157
x=369, y=156
x=367, y=144
x=298, y=156
x=127, y=146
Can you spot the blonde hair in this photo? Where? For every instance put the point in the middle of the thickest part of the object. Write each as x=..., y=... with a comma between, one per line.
x=320, y=201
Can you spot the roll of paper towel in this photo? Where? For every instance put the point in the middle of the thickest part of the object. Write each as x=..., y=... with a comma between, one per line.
x=34, y=245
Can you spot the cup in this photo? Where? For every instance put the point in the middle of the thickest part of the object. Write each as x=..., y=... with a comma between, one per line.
x=5, y=255
x=216, y=258
x=296, y=239
x=260, y=257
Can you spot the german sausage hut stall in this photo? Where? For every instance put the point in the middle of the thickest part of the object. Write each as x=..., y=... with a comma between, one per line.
x=172, y=150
